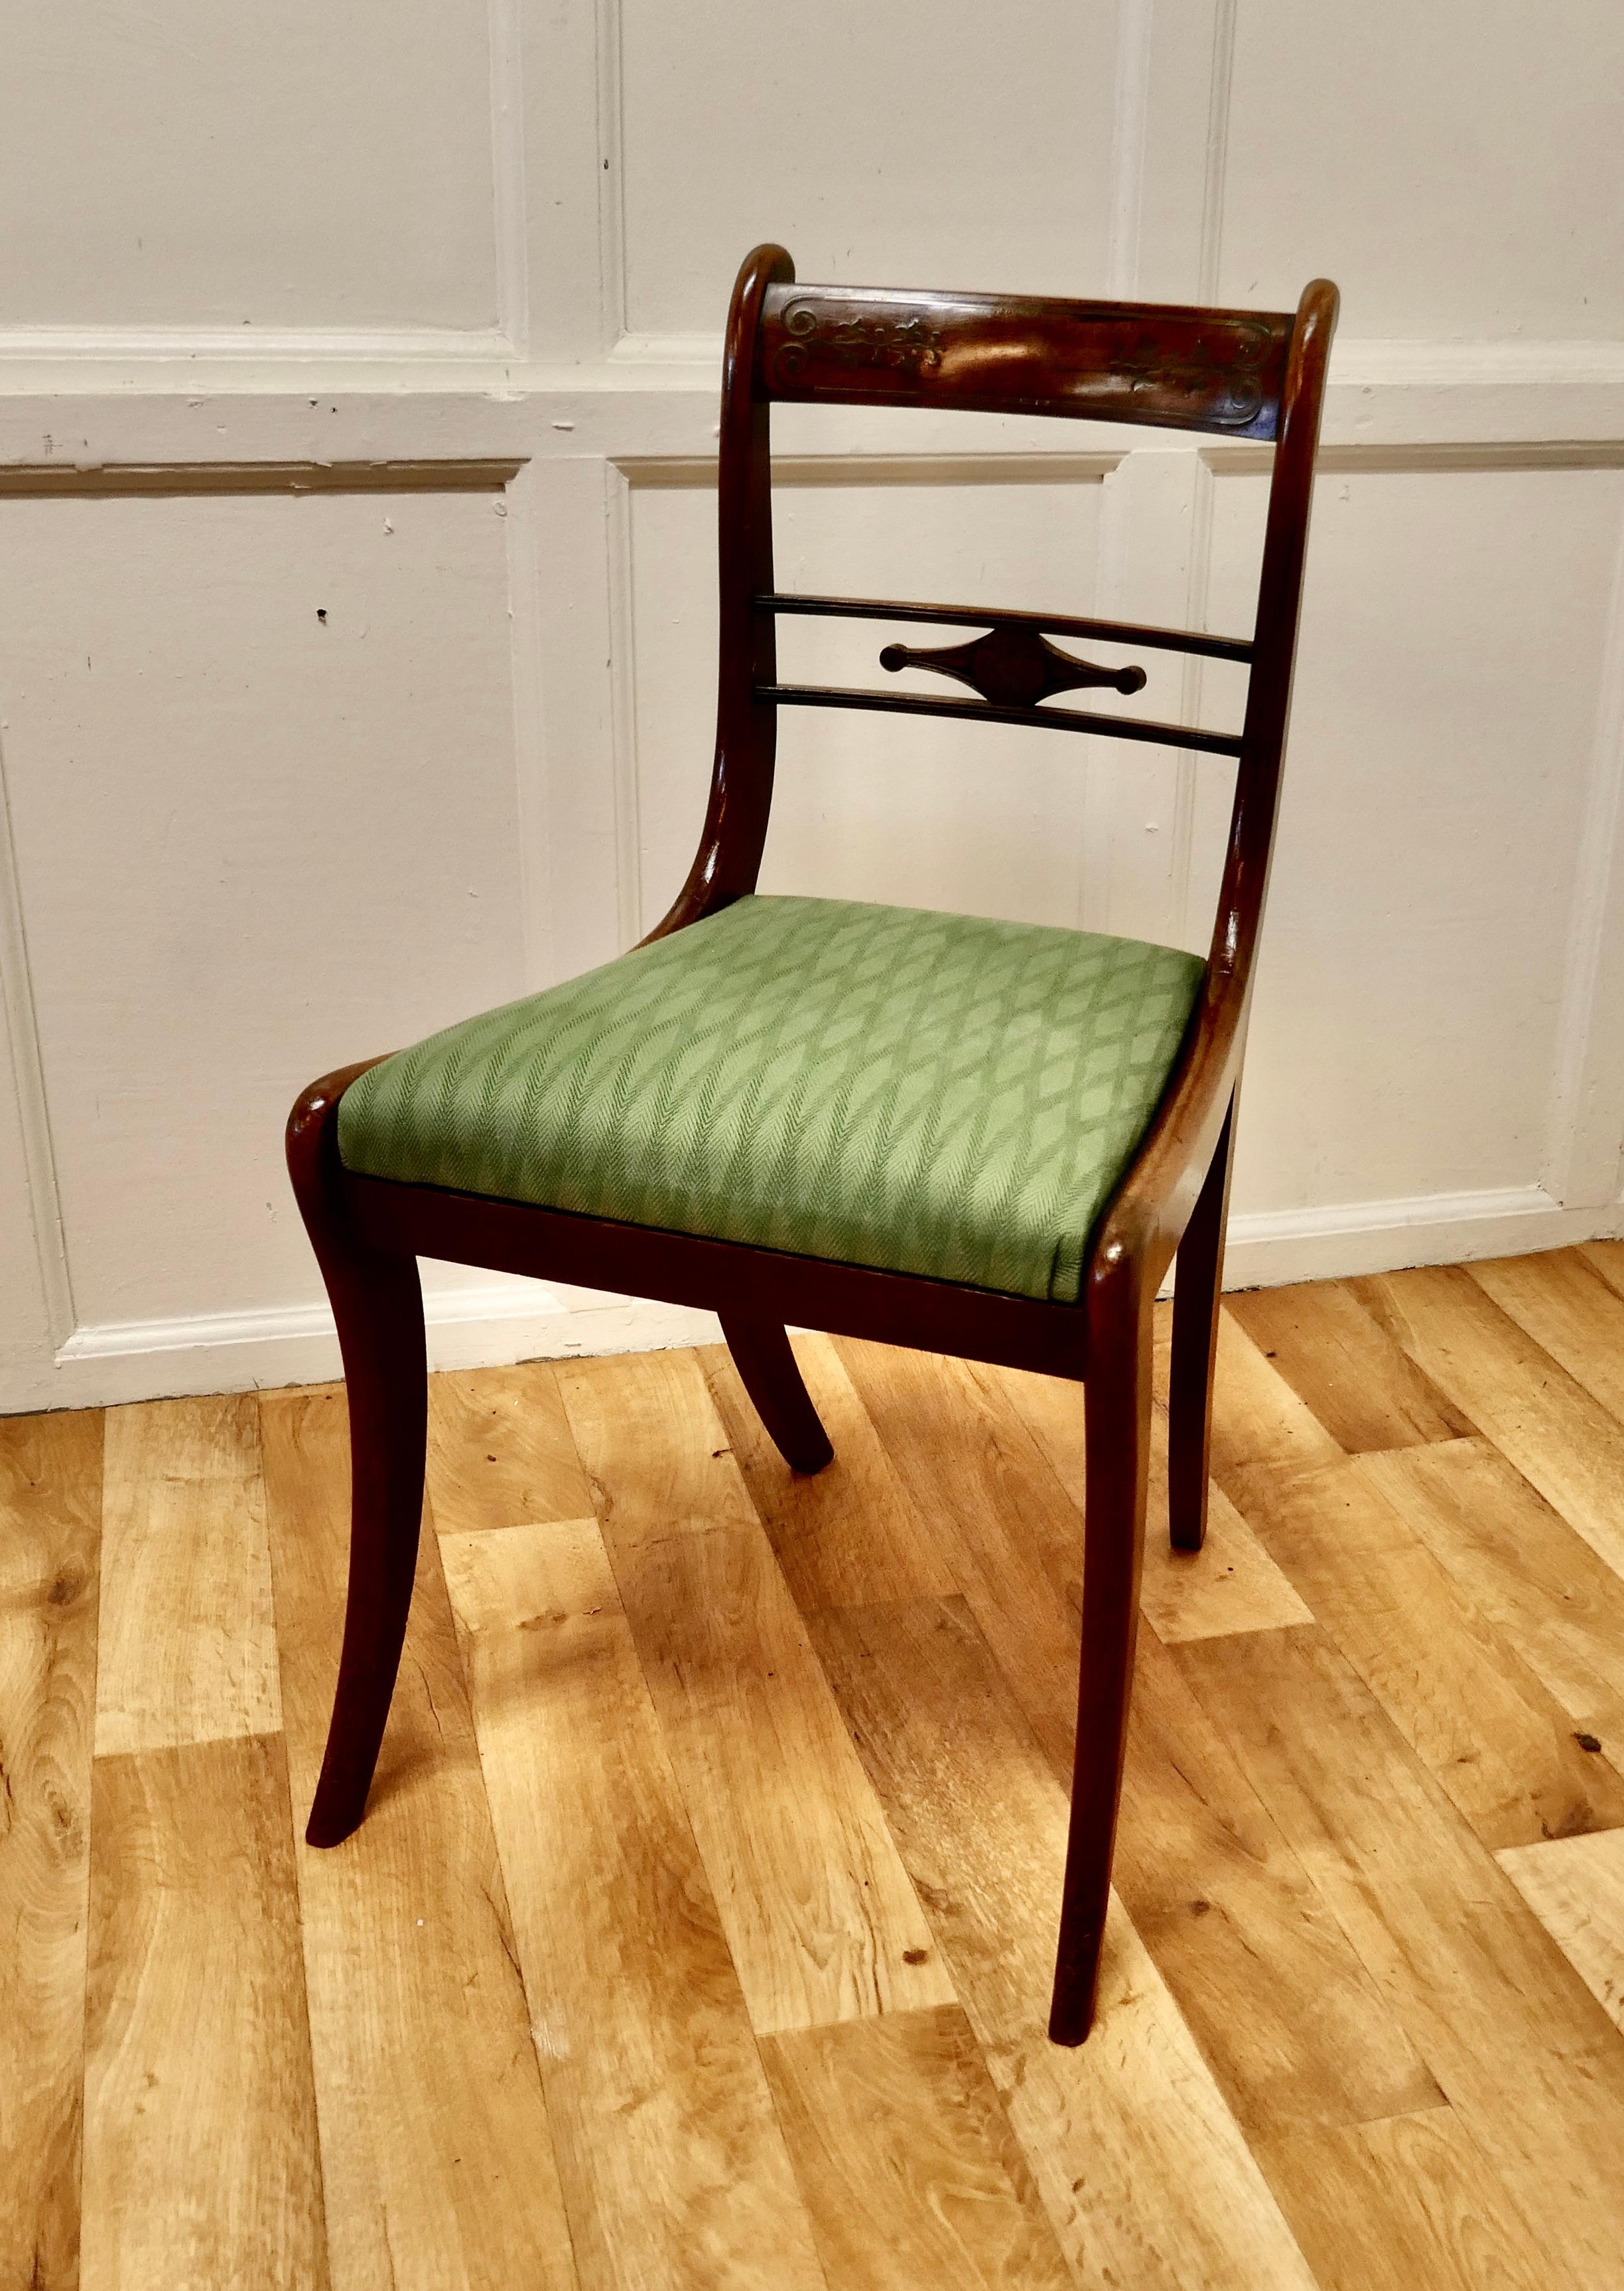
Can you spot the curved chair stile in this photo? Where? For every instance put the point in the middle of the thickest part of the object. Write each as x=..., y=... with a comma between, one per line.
x=1244, y=374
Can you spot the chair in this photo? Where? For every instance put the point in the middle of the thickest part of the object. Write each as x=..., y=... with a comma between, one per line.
x=978, y=1138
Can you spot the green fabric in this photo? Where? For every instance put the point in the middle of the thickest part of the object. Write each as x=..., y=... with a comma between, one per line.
x=882, y=1086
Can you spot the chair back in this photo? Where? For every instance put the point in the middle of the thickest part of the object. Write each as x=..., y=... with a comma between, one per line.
x=1235, y=374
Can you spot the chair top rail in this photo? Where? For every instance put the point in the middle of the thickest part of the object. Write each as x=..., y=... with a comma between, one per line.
x=1053, y=720
x=1163, y=364
x=1058, y=624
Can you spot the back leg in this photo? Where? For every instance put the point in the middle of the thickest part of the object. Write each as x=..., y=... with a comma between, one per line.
x=769, y=1373
x=1196, y=1292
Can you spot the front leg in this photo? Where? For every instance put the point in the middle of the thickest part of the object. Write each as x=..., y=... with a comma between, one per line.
x=1117, y=1405
x=377, y=1303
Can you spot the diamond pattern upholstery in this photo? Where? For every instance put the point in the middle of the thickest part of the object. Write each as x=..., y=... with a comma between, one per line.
x=884, y=1086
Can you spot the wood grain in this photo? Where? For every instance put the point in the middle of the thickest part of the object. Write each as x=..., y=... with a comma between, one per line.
x=1542, y=1422
x=1140, y=2165
x=687, y=1482
x=1412, y=2200
x=1363, y=1389
x=1607, y=1258
x=435, y=2154
x=500, y=1452
x=1497, y=1739
x=1340, y=2034
x=1563, y=1302
x=819, y=1915
x=1242, y=1935
x=1262, y=1428
x=1011, y=1534
x=851, y=1534
x=50, y=1523
x=1231, y=1584
x=1524, y=2053
x=1522, y=1566
x=188, y=1645
x=673, y=2168
x=905, y=2158
x=200, y=2149
x=1575, y=1887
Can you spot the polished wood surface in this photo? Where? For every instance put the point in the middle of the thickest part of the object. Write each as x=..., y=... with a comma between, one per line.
x=1160, y=363
x=1256, y=375
x=1199, y=641
x=700, y=1931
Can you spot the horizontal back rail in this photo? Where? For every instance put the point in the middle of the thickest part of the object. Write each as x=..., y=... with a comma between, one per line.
x=1052, y=624
x=1052, y=720
x=1164, y=364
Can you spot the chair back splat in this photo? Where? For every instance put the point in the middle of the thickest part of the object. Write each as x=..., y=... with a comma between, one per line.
x=970, y=1136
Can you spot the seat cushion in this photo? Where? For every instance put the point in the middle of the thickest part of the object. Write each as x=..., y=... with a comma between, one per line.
x=883, y=1086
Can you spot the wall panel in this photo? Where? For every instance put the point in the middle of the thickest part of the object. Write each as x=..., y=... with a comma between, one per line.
x=252, y=844
x=869, y=140
x=285, y=165
x=1454, y=166
x=1412, y=974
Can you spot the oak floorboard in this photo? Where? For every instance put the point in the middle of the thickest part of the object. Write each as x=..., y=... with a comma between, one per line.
x=1462, y=1696
x=1011, y=1535
x=1607, y=1258
x=187, y=1639
x=846, y=1536
x=1564, y=1304
x=1142, y=2168
x=1409, y=2204
x=1290, y=2022
x=500, y=1452
x=674, y=2168
x=1522, y=2050
x=905, y=2158
x=1362, y=1387
x=1541, y=1585
x=1262, y=1428
x=1556, y=1433
x=50, y=1525
x=687, y=1481
x=821, y=1918
x=499, y=2037
x=1230, y=1585
x=1575, y=1887
x=436, y=2155
x=819, y=1914
x=201, y=2163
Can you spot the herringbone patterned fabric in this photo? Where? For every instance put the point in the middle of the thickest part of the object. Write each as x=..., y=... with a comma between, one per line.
x=883, y=1086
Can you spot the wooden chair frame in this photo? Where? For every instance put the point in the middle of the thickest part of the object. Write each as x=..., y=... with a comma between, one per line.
x=1258, y=375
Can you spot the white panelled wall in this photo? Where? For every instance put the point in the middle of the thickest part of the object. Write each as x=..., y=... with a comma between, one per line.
x=357, y=382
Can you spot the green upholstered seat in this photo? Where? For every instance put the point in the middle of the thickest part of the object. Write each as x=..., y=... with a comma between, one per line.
x=929, y=1093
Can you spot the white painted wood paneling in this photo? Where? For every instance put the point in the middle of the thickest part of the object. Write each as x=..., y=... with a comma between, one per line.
x=869, y=140
x=290, y=166
x=482, y=252
x=1411, y=974
x=1456, y=165
x=252, y=843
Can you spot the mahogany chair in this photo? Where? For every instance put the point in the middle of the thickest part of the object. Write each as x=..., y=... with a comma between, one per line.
x=976, y=1139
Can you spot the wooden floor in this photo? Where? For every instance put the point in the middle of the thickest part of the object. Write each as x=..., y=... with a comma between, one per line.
x=700, y=1931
